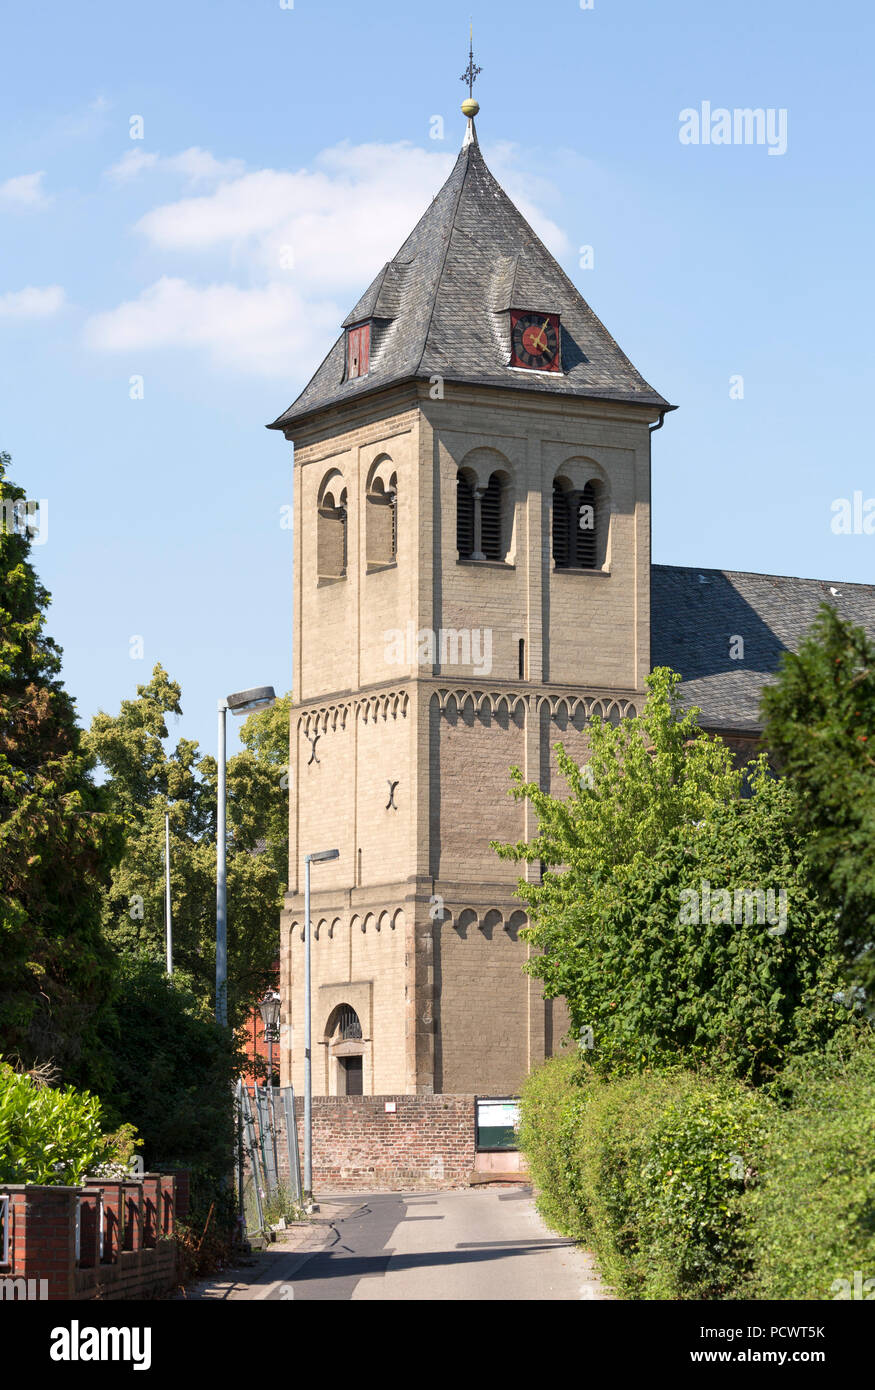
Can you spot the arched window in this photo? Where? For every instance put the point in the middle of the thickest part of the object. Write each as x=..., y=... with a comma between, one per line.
x=381, y=516
x=484, y=517
x=579, y=526
x=331, y=530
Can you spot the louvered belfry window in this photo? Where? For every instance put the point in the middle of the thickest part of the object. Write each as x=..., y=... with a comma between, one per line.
x=586, y=519
x=464, y=517
x=575, y=527
x=561, y=527
x=490, y=520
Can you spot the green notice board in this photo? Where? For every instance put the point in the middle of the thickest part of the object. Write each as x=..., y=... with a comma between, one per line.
x=497, y=1123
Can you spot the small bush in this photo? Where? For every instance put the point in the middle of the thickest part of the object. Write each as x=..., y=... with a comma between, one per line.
x=280, y=1205
x=49, y=1136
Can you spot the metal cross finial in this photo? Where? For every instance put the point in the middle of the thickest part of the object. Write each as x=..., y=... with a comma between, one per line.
x=471, y=71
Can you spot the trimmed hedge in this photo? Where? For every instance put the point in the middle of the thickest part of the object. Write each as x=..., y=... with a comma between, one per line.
x=812, y=1220
x=648, y=1170
x=696, y=1187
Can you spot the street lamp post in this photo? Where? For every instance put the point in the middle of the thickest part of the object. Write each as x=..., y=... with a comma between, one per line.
x=168, y=913
x=244, y=702
x=309, y=859
x=270, y=1017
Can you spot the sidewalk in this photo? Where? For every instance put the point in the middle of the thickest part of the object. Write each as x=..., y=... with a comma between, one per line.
x=259, y=1274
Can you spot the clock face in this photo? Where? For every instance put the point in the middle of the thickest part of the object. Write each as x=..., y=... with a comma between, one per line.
x=534, y=341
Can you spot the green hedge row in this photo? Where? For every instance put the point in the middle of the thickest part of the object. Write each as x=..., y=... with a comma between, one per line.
x=692, y=1186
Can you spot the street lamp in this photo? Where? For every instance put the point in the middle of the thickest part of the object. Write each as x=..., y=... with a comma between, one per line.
x=270, y=1017
x=269, y=1008
x=244, y=702
x=309, y=859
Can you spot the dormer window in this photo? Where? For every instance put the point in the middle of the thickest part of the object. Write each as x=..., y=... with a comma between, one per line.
x=535, y=341
x=358, y=350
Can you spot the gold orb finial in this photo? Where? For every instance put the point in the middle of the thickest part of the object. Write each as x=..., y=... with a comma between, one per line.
x=470, y=107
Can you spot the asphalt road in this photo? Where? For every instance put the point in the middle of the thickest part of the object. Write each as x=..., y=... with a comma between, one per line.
x=472, y=1244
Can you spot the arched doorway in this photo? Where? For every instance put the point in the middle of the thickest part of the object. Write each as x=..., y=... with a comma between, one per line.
x=346, y=1051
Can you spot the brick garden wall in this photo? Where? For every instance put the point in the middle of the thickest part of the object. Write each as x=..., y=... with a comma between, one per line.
x=138, y=1256
x=426, y=1142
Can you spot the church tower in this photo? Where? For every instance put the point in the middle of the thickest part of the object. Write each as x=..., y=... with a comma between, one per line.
x=472, y=583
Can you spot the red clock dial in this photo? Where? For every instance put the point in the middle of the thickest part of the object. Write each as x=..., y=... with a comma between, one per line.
x=535, y=341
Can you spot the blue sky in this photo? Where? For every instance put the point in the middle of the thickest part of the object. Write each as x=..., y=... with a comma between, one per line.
x=286, y=154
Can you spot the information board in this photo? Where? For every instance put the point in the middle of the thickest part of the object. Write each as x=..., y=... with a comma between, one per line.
x=497, y=1123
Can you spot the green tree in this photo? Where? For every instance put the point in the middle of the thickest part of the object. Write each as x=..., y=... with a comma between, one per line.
x=644, y=776
x=265, y=737
x=657, y=826
x=174, y=1074
x=57, y=845
x=820, y=723
x=144, y=778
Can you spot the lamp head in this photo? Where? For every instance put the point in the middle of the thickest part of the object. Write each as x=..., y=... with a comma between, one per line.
x=245, y=701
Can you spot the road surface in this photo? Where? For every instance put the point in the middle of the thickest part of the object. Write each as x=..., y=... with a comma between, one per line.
x=482, y=1243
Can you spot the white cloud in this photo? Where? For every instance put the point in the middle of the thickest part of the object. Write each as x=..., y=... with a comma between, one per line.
x=32, y=303
x=341, y=220
x=306, y=243
x=270, y=331
x=132, y=163
x=25, y=191
x=197, y=166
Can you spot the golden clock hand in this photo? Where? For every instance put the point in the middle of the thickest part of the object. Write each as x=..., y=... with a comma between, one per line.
x=540, y=338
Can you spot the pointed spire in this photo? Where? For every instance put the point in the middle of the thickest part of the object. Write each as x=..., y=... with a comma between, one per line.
x=470, y=106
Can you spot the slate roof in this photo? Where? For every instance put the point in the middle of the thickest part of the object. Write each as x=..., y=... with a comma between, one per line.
x=439, y=307
x=695, y=612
